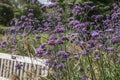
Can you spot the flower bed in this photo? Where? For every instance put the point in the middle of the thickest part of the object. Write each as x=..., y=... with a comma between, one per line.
x=78, y=42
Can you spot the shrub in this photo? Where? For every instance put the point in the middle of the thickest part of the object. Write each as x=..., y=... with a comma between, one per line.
x=17, y=14
x=2, y=29
x=6, y=14
x=35, y=9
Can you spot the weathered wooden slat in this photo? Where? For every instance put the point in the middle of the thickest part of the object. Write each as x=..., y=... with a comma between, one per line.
x=14, y=68
x=44, y=71
x=2, y=65
x=4, y=68
x=22, y=71
x=32, y=66
x=11, y=68
x=8, y=66
x=38, y=70
x=23, y=59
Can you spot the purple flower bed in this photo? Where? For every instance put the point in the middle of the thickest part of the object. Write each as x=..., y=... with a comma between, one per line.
x=78, y=45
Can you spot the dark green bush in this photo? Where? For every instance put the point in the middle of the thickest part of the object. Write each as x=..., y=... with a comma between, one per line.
x=103, y=1
x=2, y=29
x=6, y=14
x=35, y=9
x=17, y=14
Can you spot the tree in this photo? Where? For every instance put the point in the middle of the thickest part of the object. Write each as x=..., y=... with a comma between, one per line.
x=6, y=2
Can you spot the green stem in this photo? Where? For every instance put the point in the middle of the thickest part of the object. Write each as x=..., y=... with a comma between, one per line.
x=91, y=68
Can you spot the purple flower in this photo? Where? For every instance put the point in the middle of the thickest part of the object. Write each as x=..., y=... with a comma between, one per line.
x=109, y=30
x=25, y=24
x=60, y=10
x=110, y=49
x=47, y=62
x=30, y=15
x=92, y=43
x=78, y=26
x=14, y=41
x=70, y=19
x=56, y=60
x=60, y=66
x=93, y=7
x=38, y=37
x=59, y=42
x=23, y=17
x=53, y=37
x=73, y=23
x=4, y=43
x=85, y=53
x=77, y=57
x=57, y=74
x=39, y=52
x=54, y=4
x=47, y=53
x=64, y=38
x=66, y=55
x=42, y=46
x=95, y=52
x=106, y=22
x=51, y=42
x=18, y=66
x=84, y=77
x=81, y=70
x=53, y=66
x=98, y=16
x=78, y=10
x=82, y=43
x=100, y=46
x=59, y=30
x=97, y=57
x=115, y=16
x=115, y=39
x=94, y=34
x=61, y=53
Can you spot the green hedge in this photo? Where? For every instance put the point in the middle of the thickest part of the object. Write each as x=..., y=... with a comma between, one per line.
x=6, y=14
x=2, y=29
x=35, y=9
x=17, y=14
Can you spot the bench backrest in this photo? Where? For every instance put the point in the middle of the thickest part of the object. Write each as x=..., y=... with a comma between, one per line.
x=30, y=67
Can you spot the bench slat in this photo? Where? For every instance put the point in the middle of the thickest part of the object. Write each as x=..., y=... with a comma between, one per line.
x=1, y=71
x=11, y=68
x=34, y=66
x=4, y=68
x=22, y=71
x=23, y=59
x=8, y=68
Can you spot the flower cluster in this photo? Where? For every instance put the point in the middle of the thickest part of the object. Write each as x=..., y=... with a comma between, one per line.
x=78, y=45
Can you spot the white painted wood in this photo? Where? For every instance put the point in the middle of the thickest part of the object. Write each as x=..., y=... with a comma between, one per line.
x=14, y=68
x=6, y=60
x=4, y=68
x=1, y=78
x=23, y=59
x=8, y=68
x=11, y=67
x=22, y=71
x=1, y=70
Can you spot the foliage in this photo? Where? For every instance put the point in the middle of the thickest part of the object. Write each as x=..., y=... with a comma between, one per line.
x=17, y=14
x=6, y=14
x=5, y=2
x=78, y=41
x=2, y=29
x=35, y=9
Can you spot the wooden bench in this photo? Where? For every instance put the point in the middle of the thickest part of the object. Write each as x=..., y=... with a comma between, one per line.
x=28, y=69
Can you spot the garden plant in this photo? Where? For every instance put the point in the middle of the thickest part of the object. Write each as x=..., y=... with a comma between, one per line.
x=78, y=41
